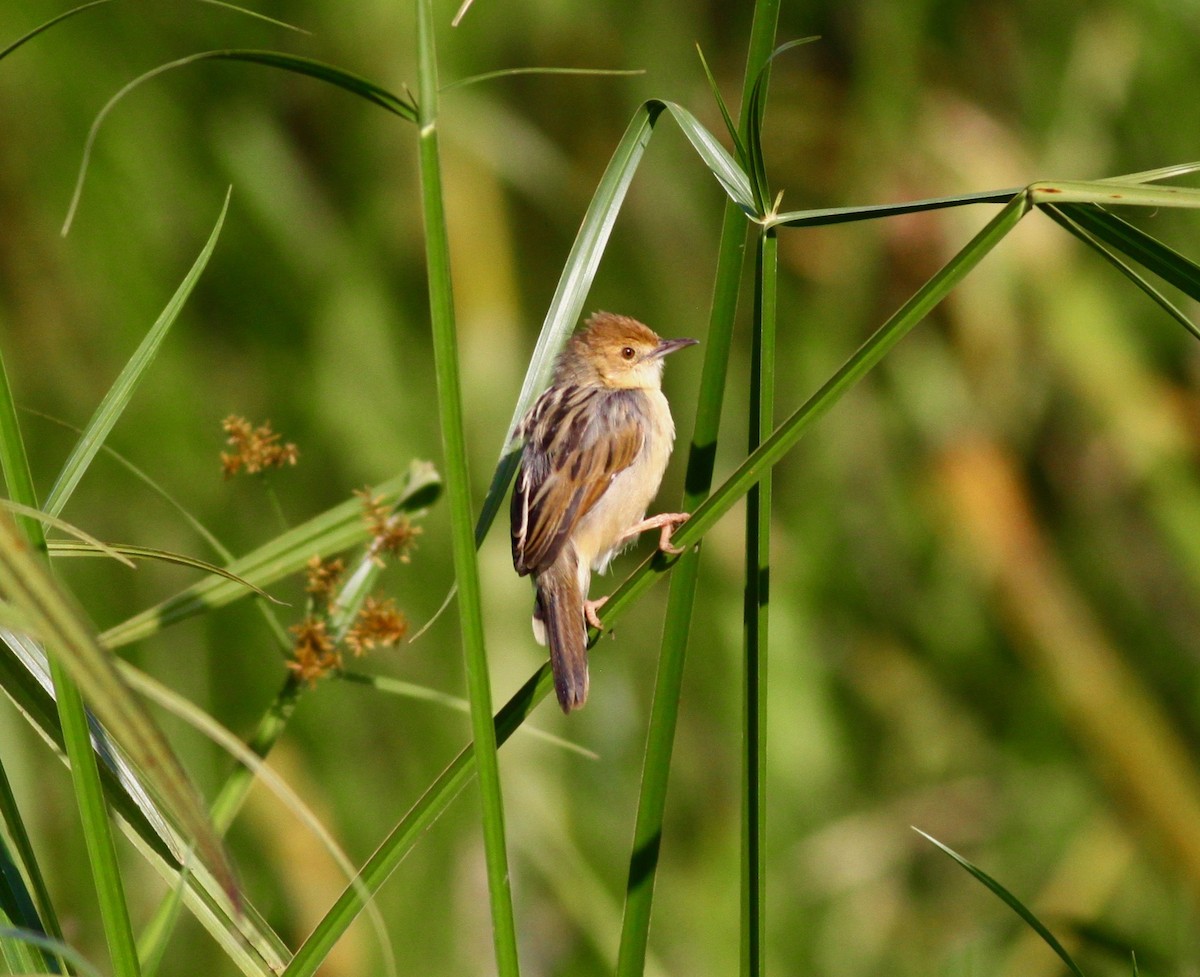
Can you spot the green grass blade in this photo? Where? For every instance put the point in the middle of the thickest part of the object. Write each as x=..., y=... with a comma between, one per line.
x=337, y=529
x=15, y=463
x=656, y=765
x=119, y=395
x=82, y=538
x=458, y=497
x=421, y=693
x=733, y=179
x=335, y=76
x=756, y=619
x=510, y=72
x=1011, y=901
x=842, y=215
x=1125, y=269
x=65, y=15
x=127, y=553
x=255, y=15
x=1168, y=264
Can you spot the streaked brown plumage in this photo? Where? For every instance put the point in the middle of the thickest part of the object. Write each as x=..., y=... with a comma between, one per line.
x=596, y=446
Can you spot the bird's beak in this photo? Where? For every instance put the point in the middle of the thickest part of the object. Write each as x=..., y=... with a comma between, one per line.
x=670, y=345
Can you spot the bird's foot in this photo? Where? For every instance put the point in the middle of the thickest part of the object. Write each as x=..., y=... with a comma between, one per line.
x=589, y=611
x=666, y=523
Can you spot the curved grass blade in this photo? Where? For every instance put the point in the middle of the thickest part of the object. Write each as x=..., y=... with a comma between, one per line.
x=119, y=395
x=273, y=59
x=508, y=72
x=566, y=306
x=28, y=585
x=123, y=552
x=332, y=531
x=65, y=15
x=197, y=526
x=1128, y=271
x=86, y=541
x=1011, y=901
x=729, y=174
x=255, y=15
x=753, y=123
x=579, y=271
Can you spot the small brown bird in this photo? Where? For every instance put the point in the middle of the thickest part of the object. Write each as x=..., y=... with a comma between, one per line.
x=596, y=446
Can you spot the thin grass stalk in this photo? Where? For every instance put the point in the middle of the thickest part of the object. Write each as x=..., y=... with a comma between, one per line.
x=756, y=619
x=643, y=861
x=458, y=492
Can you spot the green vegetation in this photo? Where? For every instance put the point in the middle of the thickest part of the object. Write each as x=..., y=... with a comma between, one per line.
x=941, y=452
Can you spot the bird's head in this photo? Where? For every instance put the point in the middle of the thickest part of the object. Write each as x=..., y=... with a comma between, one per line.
x=618, y=352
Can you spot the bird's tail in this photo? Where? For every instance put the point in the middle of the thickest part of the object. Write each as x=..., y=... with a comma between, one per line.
x=558, y=620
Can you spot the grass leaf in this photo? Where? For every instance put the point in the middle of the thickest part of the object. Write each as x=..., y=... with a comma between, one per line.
x=119, y=395
x=1011, y=901
x=335, y=76
x=65, y=15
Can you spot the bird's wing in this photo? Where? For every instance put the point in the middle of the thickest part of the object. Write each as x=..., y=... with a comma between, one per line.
x=577, y=439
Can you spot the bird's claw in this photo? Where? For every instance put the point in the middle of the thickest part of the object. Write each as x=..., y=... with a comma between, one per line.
x=589, y=611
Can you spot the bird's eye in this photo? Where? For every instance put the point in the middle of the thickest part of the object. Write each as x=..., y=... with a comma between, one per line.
x=628, y=353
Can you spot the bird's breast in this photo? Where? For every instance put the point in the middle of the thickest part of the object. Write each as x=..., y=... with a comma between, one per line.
x=599, y=534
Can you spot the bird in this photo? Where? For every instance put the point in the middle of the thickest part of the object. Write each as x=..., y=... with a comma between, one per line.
x=596, y=445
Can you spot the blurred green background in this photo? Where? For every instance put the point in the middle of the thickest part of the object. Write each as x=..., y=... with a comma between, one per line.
x=984, y=614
